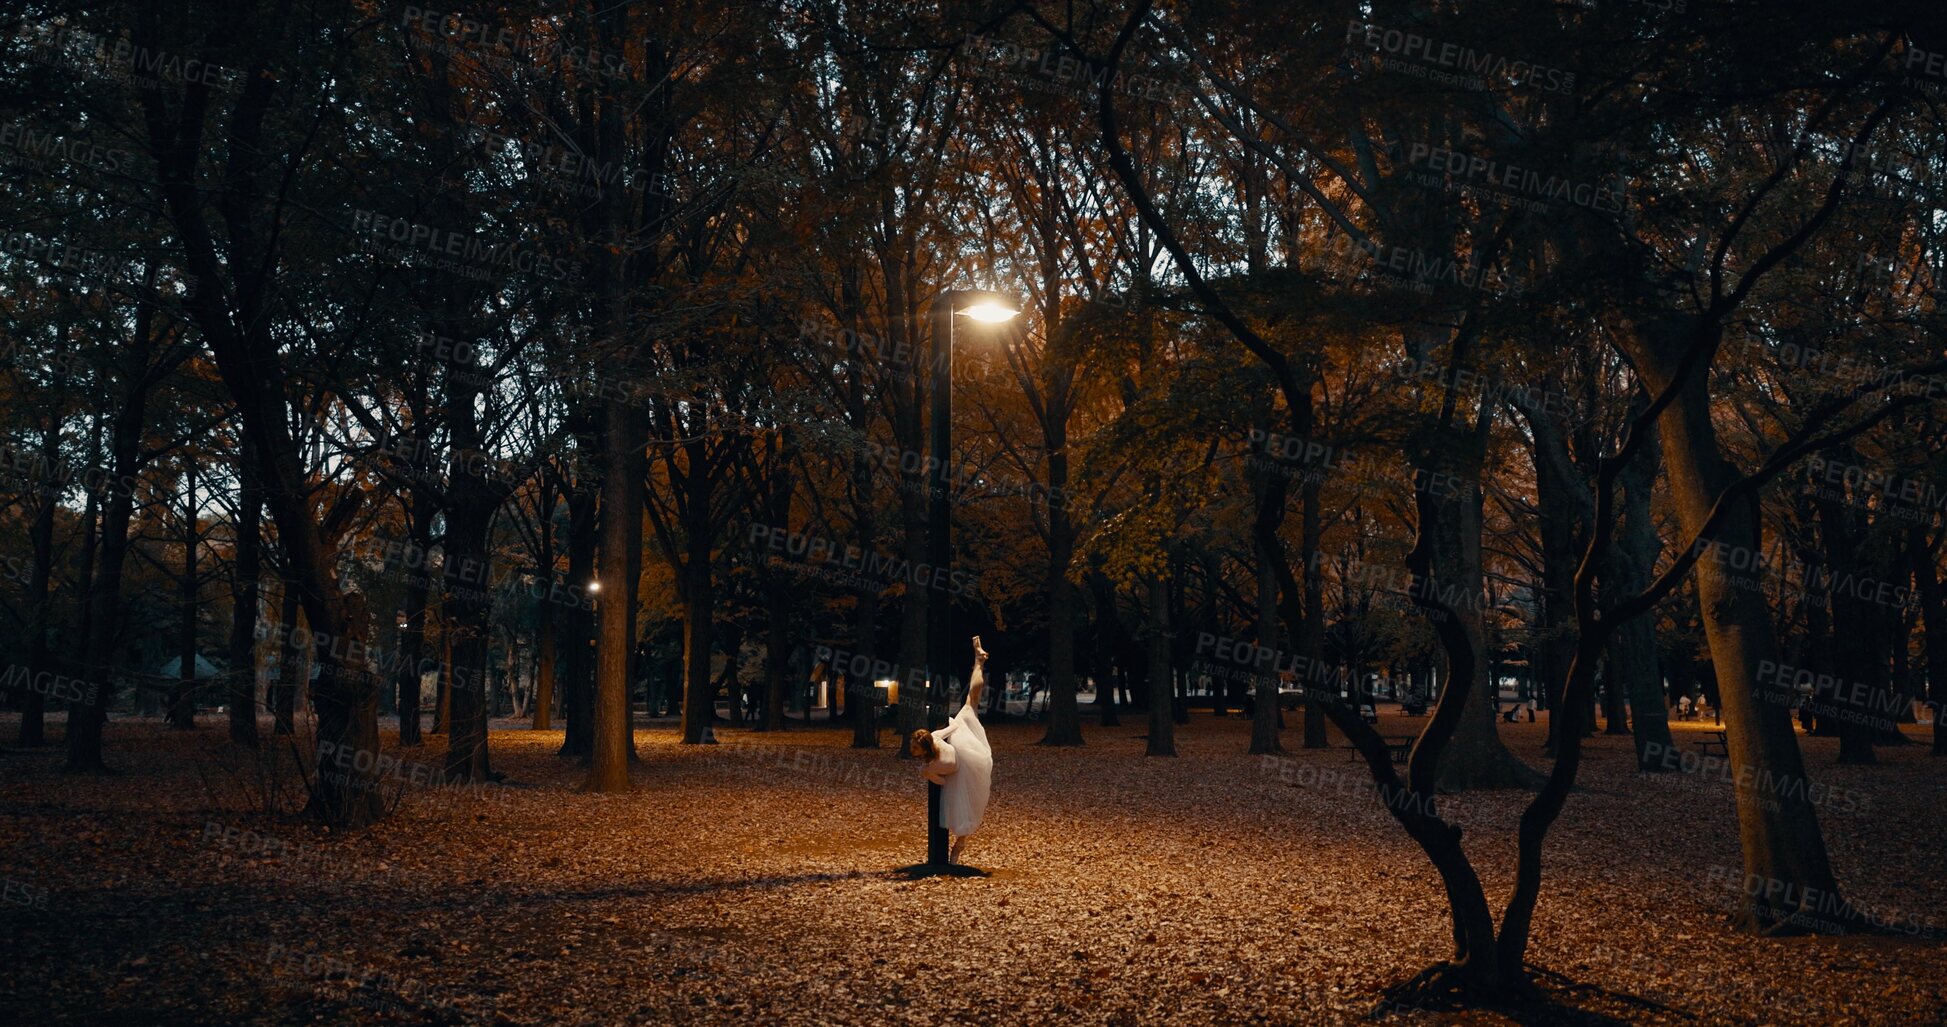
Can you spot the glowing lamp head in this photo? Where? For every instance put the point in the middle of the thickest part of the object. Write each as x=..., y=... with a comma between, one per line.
x=991, y=311
x=594, y=586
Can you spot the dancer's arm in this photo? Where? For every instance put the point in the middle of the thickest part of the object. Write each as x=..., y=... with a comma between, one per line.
x=942, y=766
x=978, y=679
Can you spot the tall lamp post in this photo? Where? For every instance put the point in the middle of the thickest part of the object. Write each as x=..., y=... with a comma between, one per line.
x=986, y=308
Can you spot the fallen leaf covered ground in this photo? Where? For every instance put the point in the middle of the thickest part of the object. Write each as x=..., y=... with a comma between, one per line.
x=749, y=883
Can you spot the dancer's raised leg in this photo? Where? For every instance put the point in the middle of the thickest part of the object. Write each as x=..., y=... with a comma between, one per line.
x=978, y=679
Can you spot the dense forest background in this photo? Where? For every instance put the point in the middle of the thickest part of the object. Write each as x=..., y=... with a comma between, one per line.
x=550, y=361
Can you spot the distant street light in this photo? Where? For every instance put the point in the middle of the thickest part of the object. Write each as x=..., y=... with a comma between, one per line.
x=594, y=586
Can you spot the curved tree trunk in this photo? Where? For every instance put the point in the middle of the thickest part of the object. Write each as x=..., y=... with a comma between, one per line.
x=1475, y=757
x=1561, y=501
x=1632, y=666
x=1447, y=475
x=1778, y=826
x=231, y=310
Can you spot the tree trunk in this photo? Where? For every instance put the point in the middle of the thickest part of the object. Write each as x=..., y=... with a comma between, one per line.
x=1311, y=631
x=466, y=605
x=1933, y=618
x=86, y=718
x=1633, y=670
x=729, y=684
x=545, y=616
x=1269, y=490
x=698, y=594
x=1898, y=624
x=1562, y=504
x=577, y=664
x=777, y=654
x=1856, y=653
x=182, y=704
x=411, y=676
x=622, y=499
x=1476, y=756
x=1777, y=825
x=85, y=574
x=544, y=661
x=1064, y=716
x=1448, y=473
x=862, y=704
x=443, y=681
x=1102, y=664
x=47, y=499
x=472, y=497
x=346, y=698
x=1264, y=698
x=289, y=664
x=247, y=575
x=232, y=313
x=1162, y=725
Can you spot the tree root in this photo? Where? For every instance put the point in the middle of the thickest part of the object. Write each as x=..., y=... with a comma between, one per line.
x=1531, y=995
x=1449, y=986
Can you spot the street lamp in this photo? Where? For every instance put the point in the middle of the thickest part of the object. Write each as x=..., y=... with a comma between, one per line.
x=987, y=308
x=991, y=310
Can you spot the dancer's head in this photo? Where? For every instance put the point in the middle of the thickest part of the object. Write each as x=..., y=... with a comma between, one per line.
x=921, y=744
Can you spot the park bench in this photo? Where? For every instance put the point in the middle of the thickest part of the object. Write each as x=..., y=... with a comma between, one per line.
x=1399, y=746
x=1721, y=743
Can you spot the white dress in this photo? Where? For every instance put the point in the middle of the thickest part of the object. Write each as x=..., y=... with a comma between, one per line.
x=964, y=770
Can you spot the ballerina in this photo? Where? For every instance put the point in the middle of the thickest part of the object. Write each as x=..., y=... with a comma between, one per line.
x=964, y=768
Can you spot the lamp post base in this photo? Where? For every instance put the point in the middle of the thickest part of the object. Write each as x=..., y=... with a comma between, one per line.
x=920, y=870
